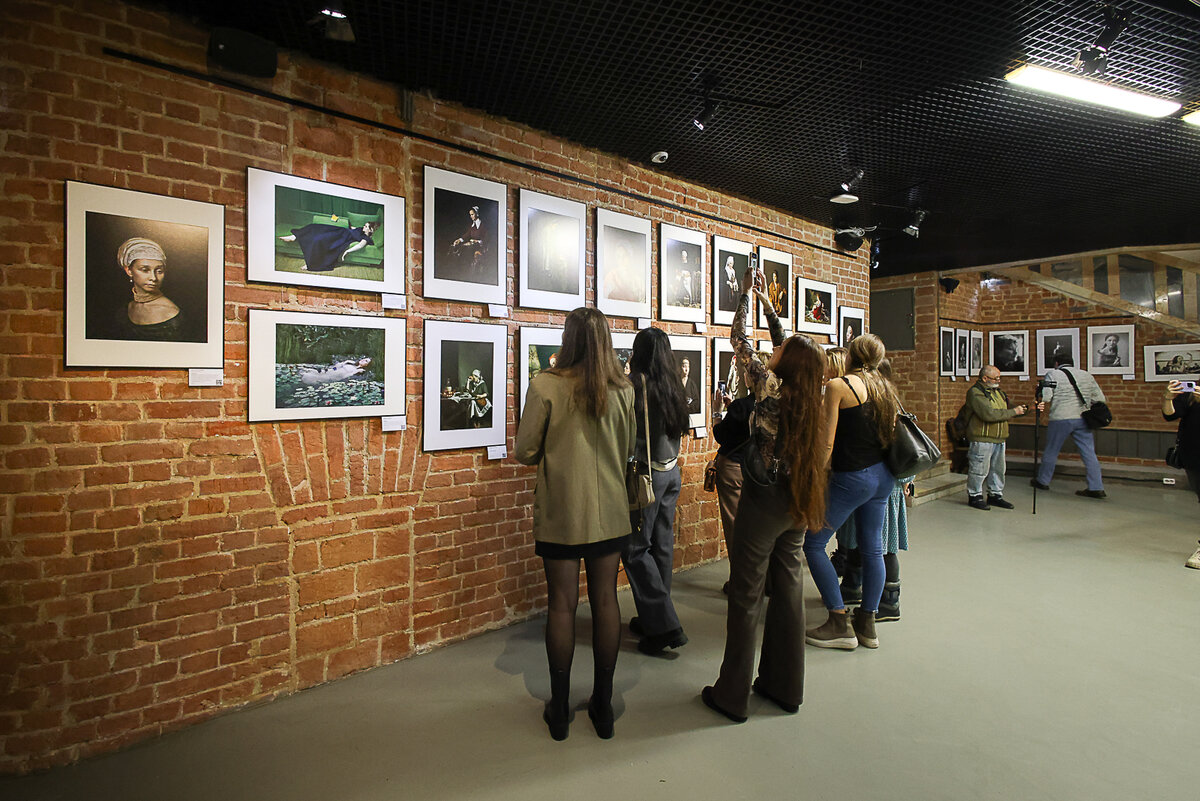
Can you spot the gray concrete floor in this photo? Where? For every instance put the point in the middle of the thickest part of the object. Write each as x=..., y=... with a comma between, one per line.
x=1047, y=657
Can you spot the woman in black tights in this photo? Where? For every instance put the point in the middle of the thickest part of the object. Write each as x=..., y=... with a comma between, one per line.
x=578, y=428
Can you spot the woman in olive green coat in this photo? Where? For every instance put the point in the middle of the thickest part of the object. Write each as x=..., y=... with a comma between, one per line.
x=578, y=428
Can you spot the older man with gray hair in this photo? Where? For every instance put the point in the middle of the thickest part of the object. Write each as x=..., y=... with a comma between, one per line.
x=988, y=413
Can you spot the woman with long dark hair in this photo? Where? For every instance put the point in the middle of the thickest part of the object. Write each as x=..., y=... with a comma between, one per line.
x=649, y=553
x=783, y=491
x=1183, y=406
x=577, y=427
x=859, y=421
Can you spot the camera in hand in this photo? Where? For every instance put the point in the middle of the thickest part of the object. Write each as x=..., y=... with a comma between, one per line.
x=1187, y=386
x=1044, y=384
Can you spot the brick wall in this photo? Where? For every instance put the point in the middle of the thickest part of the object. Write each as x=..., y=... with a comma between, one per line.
x=161, y=559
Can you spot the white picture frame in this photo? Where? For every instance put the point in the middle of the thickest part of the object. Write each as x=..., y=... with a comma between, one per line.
x=1110, y=349
x=538, y=345
x=722, y=366
x=777, y=268
x=1172, y=362
x=816, y=307
x=453, y=351
x=852, y=323
x=623, y=347
x=682, y=265
x=694, y=351
x=622, y=264
x=1010, y=351
x=946, y=344
x=552, y=257
x=962, y=352
x=732, y=256
x=457, y=266
x=1050, y=340
x=978, y=357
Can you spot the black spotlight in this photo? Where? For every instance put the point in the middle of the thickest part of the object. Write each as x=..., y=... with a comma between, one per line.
x=948, y=284
x=874, y=255
x=845, y=192
x=706, y=114
x=851, y=238
x=1093, y=60
x=913, y=229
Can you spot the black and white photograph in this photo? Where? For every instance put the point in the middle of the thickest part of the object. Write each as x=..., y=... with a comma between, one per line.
x=946, y=356
x=976, y=353
x=466, y=384
x=1054, y=342
x=623, y=348
x=817, y=302
x=552, y=244
x=851, y=322
x=691, y=357
x=466, y=240
x=1010, y=352
x=1172, y=362
x=1110, y=350
x=313, y=233
x=776, y=267
x=539, y=351
x=681, y=268
x=622, y=264
x=314, y=366
x=145, y=280
x=723, y=369
x=962, y=352
x=731, y=259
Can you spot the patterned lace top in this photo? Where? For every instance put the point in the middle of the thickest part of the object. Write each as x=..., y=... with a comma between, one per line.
x=764, y=422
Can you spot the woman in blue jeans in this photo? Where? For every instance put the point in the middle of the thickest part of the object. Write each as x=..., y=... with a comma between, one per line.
x=860, y=420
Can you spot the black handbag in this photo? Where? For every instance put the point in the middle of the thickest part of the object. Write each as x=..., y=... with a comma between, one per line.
x=911, y=451
x=1098, y=414
x=1175, y=456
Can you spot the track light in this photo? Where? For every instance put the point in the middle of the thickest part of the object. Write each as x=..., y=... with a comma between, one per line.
x=913, y=229
x=874, y=255
x=334, y=24
x=851, y=238
x=706, y=114
x=845, y=192
x=1093, y=60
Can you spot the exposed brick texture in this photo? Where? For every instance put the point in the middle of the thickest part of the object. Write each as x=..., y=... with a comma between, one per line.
x=161, y=559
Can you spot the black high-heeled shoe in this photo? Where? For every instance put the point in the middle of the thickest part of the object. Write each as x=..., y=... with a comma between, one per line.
x=558, y=709
x=557, y=720
x=602, y=718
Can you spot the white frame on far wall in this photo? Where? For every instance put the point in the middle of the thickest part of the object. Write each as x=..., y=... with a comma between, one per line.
x=1103, y=331
x=456, y=289
x=670, y=311
x=1152, y=372
x=699, y=373
x=849, y=313
x=1024, y=333
x=437, y=333
x=943, y=332
x=802, y=321
x=734, y=247
x=528, y=297
x=533, y=335
x=1043, y=362
x=962, y=366
x=607, y=218
x=976, y=366
x=783, y=310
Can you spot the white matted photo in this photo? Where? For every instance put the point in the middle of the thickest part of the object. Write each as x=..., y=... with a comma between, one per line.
x=622, y=264
x=1172, y=362
x=1110, y=349
x=312, y=366
x=1010, y=352
x=312, y=233
x=466, y=384
x=466, y=238
x=553, y=241
x=723, y=367
x=145, y=280
x=945, y=351
x=681, y=268
x=691, y=357
x=817, y=302
x=731, y=259
x=851, y=324
x=1055, y=342
x=976, y=353
x=623, y=348
x=776, y=266
x=539, y=351
x=962, y=352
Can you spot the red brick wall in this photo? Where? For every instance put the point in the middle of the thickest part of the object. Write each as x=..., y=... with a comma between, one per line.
x=160, y=558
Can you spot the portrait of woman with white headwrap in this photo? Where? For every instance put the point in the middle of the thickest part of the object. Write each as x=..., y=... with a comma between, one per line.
x=149, y=314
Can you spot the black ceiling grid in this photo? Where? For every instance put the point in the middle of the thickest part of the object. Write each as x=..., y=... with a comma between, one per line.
x=911, y=92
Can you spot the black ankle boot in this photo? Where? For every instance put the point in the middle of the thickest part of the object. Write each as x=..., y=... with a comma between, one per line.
x=600, y=705
x=558, y=708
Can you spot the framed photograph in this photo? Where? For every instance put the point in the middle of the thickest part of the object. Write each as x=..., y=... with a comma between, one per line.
x=1110, y=349
x=691, y=357
x=731, y=259
x=946, y=356
x=623, y=347
x=145, y=280
x=723, y=371
x=466, y=238
x=539, y=351
x=1052, y=342
x=314, y=366
x=681, y=267
x=466, y=384
x=622, y=264
x=1010, y=352
x=816, y=301
x=777, y=269
x=962, y=352
x=1172, y=362
x=553, y=241
x=851, y=323
x=313, y=233
x=976, y=353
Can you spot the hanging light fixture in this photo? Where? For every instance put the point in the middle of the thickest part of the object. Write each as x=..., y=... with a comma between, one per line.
x=913, y=229
x=845, y=192
x=706, y=114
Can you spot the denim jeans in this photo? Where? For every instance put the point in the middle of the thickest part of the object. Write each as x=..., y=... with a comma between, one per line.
x=864, y=494
x=985, y=460
x=1057, y=432
x=649, y=555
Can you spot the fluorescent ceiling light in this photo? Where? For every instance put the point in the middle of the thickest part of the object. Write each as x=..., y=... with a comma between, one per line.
x=1192, y=117
x=1072, y=86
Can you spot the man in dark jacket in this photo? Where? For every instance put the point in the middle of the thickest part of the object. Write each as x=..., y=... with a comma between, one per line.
x=987, y=430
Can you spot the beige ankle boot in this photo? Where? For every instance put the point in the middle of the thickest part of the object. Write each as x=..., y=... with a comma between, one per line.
x=864, y=628
x=833, y=633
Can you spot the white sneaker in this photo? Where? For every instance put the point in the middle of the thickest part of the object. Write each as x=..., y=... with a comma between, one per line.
x=1194, y=560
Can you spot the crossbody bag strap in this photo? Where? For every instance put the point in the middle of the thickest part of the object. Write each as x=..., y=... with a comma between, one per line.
x=1071, y=378
x=646, y=417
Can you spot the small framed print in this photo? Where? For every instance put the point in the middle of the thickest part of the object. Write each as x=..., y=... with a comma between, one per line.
x=816, y=301
x=777, y=269
x=466, y=384
x=553, y=241
x=1010, y=352
x=623, y=347
x=945, y=351
x=466, y=238
x=851, y=324
x=312, y=233
x=723, y=367
x=622, y=264
x=1110, y=349
x=681, y=268
x=145, y=280
x=731, y=259
x=691, y=356
x=1172, y=362
x=312, y=366
x=976, y=353
x=962, y=352
x=539, y=351
x=1053, y=342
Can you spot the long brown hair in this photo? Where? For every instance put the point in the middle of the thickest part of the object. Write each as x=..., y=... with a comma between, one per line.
x=801, y=374
x=837, y=362
x=587, y=355
x=866, y=354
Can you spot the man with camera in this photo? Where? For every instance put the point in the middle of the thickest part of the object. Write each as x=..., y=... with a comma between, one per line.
x=987, y=431
x=1069, y=392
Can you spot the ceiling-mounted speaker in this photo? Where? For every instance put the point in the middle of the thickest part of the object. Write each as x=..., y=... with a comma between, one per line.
x=243, y=53
x=847, y=240
x=948, y=284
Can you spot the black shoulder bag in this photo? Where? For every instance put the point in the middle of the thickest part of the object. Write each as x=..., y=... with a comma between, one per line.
x=1095, y=416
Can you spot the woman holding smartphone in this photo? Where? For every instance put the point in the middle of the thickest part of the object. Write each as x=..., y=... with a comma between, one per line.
x=1180, y=404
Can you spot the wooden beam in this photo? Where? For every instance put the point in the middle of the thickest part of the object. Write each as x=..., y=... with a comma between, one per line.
x=1069, y=256
x=1173, y=261
x=1160, y=288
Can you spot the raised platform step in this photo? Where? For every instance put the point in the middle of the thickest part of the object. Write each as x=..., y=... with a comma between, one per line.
x=938, y=486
